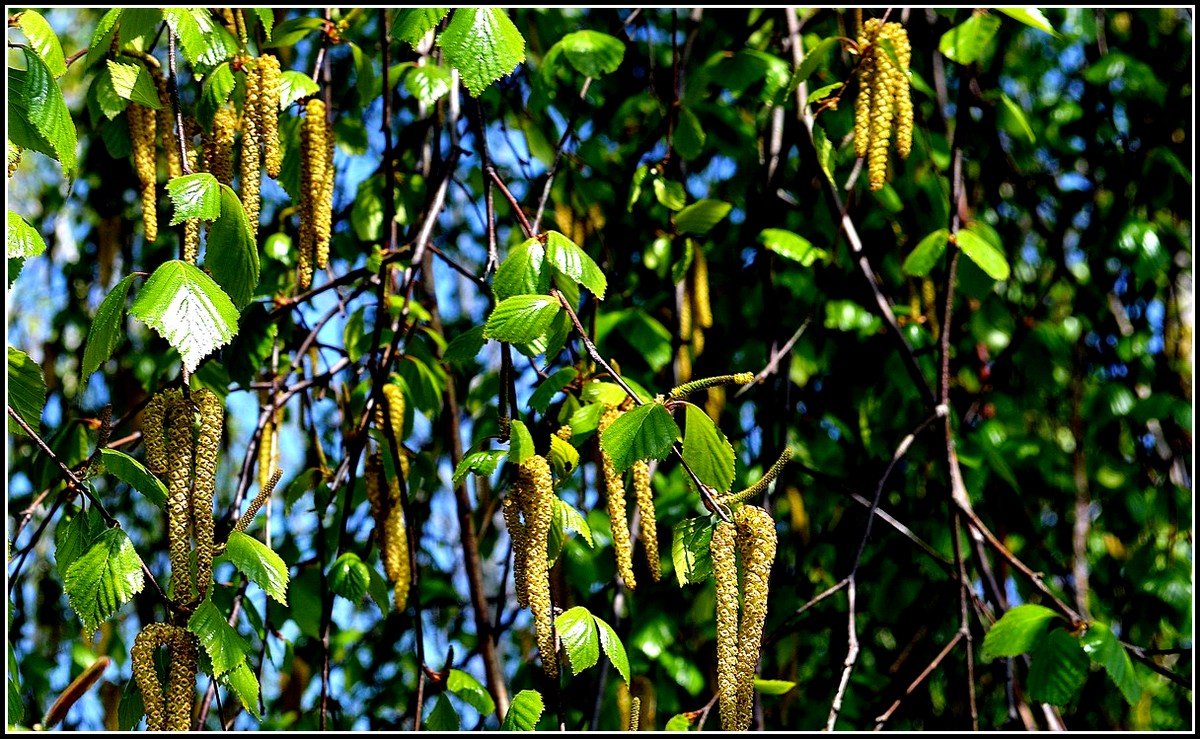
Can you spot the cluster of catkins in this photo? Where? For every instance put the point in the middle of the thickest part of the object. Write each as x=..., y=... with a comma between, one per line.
x=614, y=487
x=386, y=497
x=172, y=712
x=316, y=190
x=528, y=513
x=884, y=103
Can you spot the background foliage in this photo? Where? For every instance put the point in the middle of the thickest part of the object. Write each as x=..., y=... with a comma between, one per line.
x=1069, y=377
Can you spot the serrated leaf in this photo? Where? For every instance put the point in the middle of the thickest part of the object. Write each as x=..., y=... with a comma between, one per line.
x=551, y=386
x=700, y=217
x=1102, y=646
x=205, y=42
x=983, y=253
x=925, y=256
x=679, y=722
x=585, y=420
x=563, y=457
x=24, y=240
x=349, y=577
x=523, y=712
x=131, y=708
x=690, y=540
x=813, y=59
x=689, y=135
x=266, y=17
x=106, y=331
x=35, y=100
x=73, y=538
x=612, y=646
x=188, y=309
x=411, y=25
x=592, y=53
x=1031, y=17
x=465, y=347
x=104, y=578
x=195, y=196
x=215, y=91
x=525, y=271
x=231, y=252
x=107, y=100
x=244, y=684
x=773, y=687
x=427, y=84
x=132, y=82
x=520, y=442
x=293, y=30
x=43, y=39
x=706, y=450
x=483, y=45
x=577, y=630
x=968, y=41
x=102, y=37
x=225, y=647
x=130, y=471
x=1057, y=668
x=608, y=393
x=442, y=716
x=260, y=563
x=465, y=686
x=573, y=520
x=295, y=85
x=791, y=246
x=1016, y=631
x=480, y=463
x=26, y=390
x=521, y=318
x=574, y=262
x=646, y=432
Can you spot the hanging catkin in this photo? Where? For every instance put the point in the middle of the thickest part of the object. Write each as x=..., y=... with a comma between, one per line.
x=141, y=138
x=648, y=527
x=756, y=541
x=724, y=564
x=614, y=486
x=212, y=425
x=269, y=102
x=179, y=489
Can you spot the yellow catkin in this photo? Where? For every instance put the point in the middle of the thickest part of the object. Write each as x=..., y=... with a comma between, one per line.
x=323, y=223
x=269, y=101
x=901, y=90
x=701, y=304
x=141, y=138
x=684, y=294
x=312, y=178
x=518, y=533
x=153, y=419
x=882, y=112
x=724, y=564
x=147, y=642
x=564, y=432
x=179, y=489
x=756, y=541
x=635, y=710
x=166, y=124
x=264, y=494
x=191, y=227
x=212, y=426
x=534, y=476
x=266, y=452
x=862, y=104
x=614, y=486
x=395, y=549
x=250, y=166
x=181, y=680
x=373, y=480
x=393, y=398
x=224, y=130
x=648, y=528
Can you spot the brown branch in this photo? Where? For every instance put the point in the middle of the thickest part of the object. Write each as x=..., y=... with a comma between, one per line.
x=883, y=717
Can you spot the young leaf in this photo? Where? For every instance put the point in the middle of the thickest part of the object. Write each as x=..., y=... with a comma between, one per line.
x=670, y=193
x=592, y=53
x=465, y=347
x=1105, y=650
x=1017, y=631
x=465, y=686
x=968, y=41
x=102, y=37
x=106, y=330
x=792, y=246
x=563, y=457
x=521, y=318
x=612, y=646
x=103, y=579
x=525, y=271
x=43, y=39
x=551, y=386
x=577, y=630
x=37, y=107
x=188, y=309
x=700, y=217
x=690, y=540
x=128, y=470
x=195, y=196
x=773, y=687
x=294, y=86
x=225, y=647
x=575, y=263
x=26, y=390
x=75, y=537
x=1031, y=17
x=706, y=450
x=1057, y=668
x=520, y=442
x=983, y=253
x=244, y=684
x=524, y=711
x=260, y=563
x=925, y=256
x=132, y=707
x=646, y=432
x=573, y=520
x=132, y=82
x=483, y=45
x=349, y=577
x=442, y=716
x=24, y=240
x=214, y=93
x=206, y=43
x=689, y=134
x=428, y=84
x=232, y=254
x=411, y=25
x=480, y=463
x=679, y=722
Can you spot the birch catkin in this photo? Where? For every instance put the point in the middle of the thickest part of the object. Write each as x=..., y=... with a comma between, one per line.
x=534, y=478
x=269, y=102
x=756, y=541
x=145, y=163
x=648, y=527
x=883, y=108
x=179, y=489
x=181, y=680
x=212, y=425
x=147, y=642
x=724, y=564
x=614, y=486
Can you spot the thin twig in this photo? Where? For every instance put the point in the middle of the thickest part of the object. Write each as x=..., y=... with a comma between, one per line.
x=883, y=717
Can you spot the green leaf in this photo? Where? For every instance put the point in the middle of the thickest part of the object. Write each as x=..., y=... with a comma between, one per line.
x=266, y=17
x=670, y=193
x=1014, y=120
x=967, y=42
x=577, y=630
x=700, y=217
x=563, y=457
x=521, y=318
x=792, y=246
x=26, y=390
x=427, y=84
x=1016, y=632
x=988, y=256
x=102, y=37
x=106, y=329
x=195, y=196
x=107, y=100
x=292, y=31
x=925, y=256
x=551, y=386
x=608, y=393
x=592, y=53
x=214, y=93
x=480, y=463
x=411, y=25
x=103, y=579
x=690, y=540
x=132, y=82
x=679, y=722
x=188, y=309
x=575, y=263
x=813, y=59
x=525, y=271
x=520, y=442
x=483, y=45
x=465, y=347
x=585, y=420
x=646, y=432
x=612, y=646
x=442, y=716
x=74, y=538
x=1031, y=17
x=465, y=686
x=1057, y=668
x=43, y=39
x=523, y=712
x=131, y=708
x=225, y=647
x=294, y=86
x=689, y=136
x=706, y=450
x=205, y=42
x=130, y=471
x=1105, y=650
x=773, y=687
x=349, y=577
x=573, y=520
x=380, y=591
x=824, y=149
x=24, y=240
x=35, y=100
x=244, y=684
x=260, y=563
x=231, y=252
